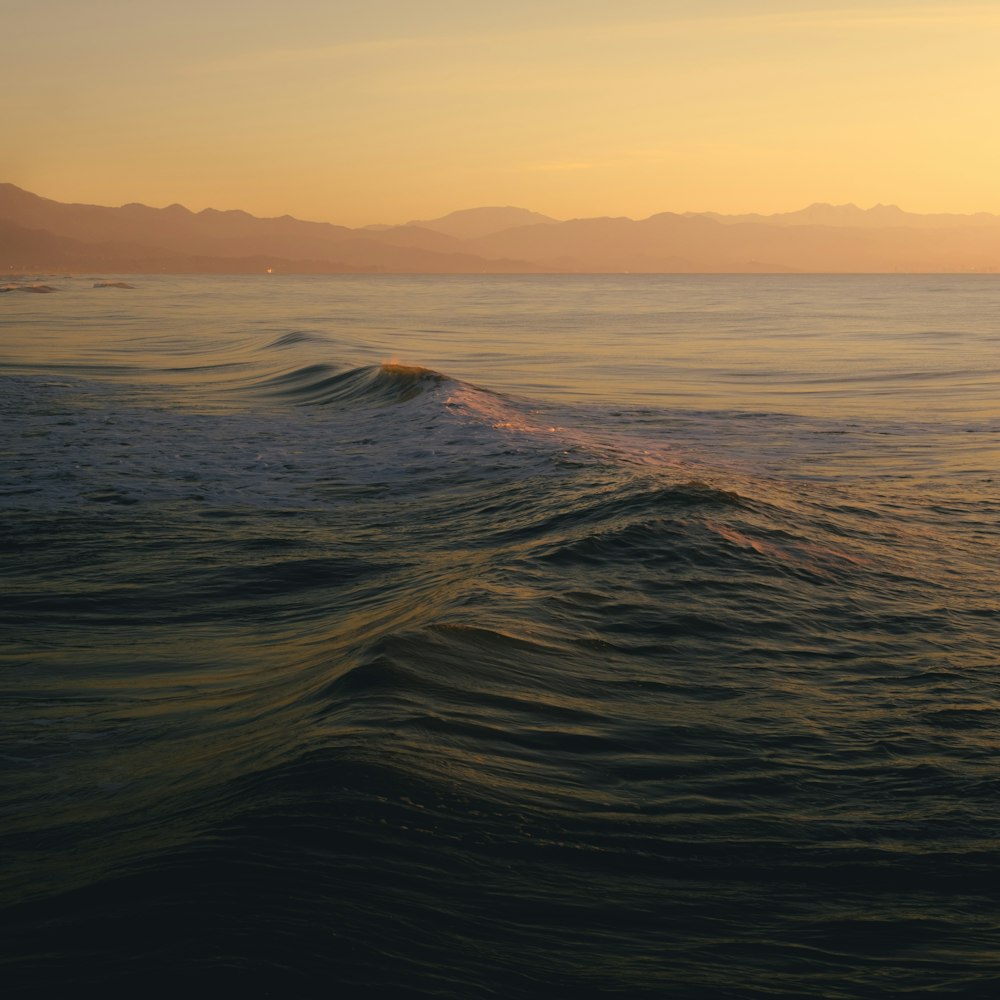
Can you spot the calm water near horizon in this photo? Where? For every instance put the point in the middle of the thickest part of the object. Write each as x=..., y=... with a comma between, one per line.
x=488, y=636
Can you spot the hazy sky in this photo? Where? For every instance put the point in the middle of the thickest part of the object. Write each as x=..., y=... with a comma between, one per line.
x=387, y=110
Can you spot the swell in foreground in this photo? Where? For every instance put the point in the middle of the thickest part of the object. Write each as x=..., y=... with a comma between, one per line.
x=328, y=677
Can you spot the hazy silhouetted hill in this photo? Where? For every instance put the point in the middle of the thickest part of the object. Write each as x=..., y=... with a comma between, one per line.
x=697, y=243
x=473, y=223
x=38, y=234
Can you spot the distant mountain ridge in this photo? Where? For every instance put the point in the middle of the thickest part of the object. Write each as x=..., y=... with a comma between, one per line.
x=164, y=234
x=38, y=234
x=876, y=217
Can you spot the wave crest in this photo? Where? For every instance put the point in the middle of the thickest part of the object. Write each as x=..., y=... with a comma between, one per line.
x=369, y=385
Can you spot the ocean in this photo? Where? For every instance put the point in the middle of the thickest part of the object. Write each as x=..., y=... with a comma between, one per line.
x=487, y=636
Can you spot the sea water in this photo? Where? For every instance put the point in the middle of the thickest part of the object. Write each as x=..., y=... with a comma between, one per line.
x=500, y=636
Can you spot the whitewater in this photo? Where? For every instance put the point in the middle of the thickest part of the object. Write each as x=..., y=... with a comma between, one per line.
x=489, y=636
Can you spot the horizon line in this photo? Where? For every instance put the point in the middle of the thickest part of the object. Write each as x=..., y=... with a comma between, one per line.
x=832, y=205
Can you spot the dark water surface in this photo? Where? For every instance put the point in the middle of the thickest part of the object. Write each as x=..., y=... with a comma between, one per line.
x=501, y=637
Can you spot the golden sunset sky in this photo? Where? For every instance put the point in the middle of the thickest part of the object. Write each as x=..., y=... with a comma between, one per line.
x=390, y=110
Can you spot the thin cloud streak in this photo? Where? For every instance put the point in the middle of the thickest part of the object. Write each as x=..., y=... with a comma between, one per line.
x=559, y=167
x=853, y=18
x=262, y=59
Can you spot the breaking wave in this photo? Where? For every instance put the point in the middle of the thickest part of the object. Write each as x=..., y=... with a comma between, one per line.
x=372, y=385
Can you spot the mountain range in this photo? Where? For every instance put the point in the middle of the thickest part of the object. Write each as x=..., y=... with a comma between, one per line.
x=39, y=235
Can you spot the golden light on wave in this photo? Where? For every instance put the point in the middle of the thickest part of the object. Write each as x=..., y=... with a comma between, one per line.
x=412, y=371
